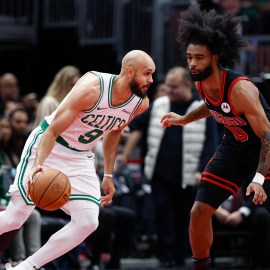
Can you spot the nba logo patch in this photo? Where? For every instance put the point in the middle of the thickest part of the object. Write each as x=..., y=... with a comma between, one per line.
x=225, y=107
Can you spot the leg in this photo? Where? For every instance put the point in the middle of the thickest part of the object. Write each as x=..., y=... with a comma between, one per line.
x=84, y=220
x=17, y=249
x=16, y=214
x=32, y=233
x=200, y=229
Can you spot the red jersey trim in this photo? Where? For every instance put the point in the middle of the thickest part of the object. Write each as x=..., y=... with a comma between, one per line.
x=230, y=91
x=219, y=184
x=221, y=92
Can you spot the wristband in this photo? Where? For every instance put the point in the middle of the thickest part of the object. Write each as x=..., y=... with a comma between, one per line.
x=245, y=211
x=258, y=178
x=108, y=175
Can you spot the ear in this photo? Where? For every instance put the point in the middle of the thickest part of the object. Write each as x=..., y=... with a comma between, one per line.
x=215, y=58
x=129, y=71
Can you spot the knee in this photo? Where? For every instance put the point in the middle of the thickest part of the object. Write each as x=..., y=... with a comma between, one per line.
x=201, y=211
x=87, y=225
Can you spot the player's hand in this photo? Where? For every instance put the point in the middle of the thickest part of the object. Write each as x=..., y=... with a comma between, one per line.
x=108, y=189
x=34, y=173
x=235, y=218
x=259, y=196
x=126, y=132
x=122, y=159
x=170, y=119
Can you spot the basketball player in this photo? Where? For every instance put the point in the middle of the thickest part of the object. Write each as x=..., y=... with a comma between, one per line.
x=212, y=43
x=99, y=106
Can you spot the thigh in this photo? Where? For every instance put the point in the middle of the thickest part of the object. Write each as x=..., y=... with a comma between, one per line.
x=220, y=179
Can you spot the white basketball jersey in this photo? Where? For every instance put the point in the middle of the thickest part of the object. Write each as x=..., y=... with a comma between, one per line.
x=91, y=125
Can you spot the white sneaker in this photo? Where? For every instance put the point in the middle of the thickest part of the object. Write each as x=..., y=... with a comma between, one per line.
x=8, y=266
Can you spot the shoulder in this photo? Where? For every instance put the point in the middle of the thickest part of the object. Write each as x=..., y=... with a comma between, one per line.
x=143, y=106
x=87, y=90
x=88, y=81
x=244, y=96
x=244, y=88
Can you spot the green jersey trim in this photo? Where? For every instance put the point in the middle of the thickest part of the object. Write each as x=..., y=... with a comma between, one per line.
x=74, y=197
x=101, y=91
x=25, y=160
x=44, y=125
x=110, y=95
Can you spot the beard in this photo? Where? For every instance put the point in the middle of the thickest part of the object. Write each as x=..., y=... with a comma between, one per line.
x=135, y=89
x=202, y=75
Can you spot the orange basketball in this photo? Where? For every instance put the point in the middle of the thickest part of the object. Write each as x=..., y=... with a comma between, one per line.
x=50, y=189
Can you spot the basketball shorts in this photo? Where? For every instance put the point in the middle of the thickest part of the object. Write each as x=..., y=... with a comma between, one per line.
x=231, y=168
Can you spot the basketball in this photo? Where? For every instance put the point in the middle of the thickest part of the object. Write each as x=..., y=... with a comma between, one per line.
x=50, y=189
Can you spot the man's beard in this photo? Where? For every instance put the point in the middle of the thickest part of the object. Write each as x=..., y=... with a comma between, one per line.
x=134, y=86
x=203, y=74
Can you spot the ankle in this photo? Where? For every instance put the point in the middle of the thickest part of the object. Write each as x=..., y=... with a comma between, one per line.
x=202, y=264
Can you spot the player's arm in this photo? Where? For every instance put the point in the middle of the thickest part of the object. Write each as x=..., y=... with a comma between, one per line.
x=110, y=146
x=245, y=98
x=84, y=96
x=111, y=140
x=132, y=140
x=171, y=118
x=134, y=136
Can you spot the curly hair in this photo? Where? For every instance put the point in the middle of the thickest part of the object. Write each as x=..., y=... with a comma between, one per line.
x=219, y=32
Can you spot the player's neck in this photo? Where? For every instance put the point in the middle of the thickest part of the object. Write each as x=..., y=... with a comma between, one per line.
x=214, y=81
x=120, y=91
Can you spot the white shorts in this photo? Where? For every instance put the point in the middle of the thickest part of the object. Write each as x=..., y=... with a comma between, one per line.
x=78, y=166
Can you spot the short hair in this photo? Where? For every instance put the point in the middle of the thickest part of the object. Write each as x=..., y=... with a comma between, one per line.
x=219, y=32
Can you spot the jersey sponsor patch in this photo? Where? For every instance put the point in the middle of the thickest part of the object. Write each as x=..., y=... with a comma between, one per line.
x=225, y=107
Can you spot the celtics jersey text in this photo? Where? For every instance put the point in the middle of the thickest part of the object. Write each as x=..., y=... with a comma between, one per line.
x=91, y=125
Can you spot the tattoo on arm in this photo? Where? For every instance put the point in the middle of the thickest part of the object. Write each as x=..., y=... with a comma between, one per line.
x=264, y=162
x=199, y=113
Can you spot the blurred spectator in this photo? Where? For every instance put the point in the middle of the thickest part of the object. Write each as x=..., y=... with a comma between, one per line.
x=9, y=93
x=9, y=87
x=161, y=90
x=30, y=103
x=61, y=85
x=173, y=174
x=20, y=130
x=8, y=154
x=232, y=6
x=235, y=213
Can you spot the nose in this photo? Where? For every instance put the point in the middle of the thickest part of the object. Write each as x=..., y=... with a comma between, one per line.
x=150, y=79
x=192, y=63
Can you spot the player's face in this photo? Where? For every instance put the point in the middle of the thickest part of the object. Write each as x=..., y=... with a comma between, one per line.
x=136, y=88
x=140, y=83
x=199, y=60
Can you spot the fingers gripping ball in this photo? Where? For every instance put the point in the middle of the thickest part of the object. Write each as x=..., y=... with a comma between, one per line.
x=50, y=189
